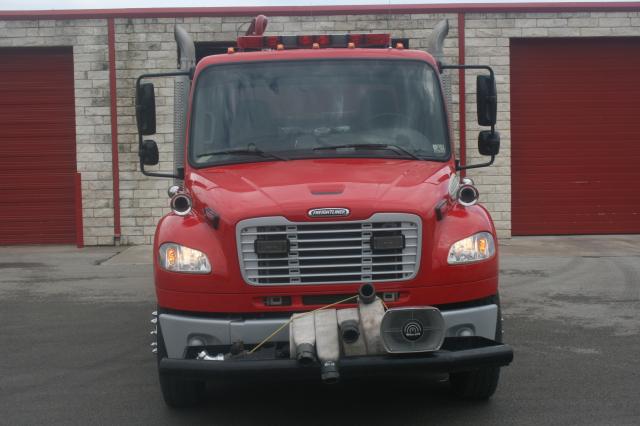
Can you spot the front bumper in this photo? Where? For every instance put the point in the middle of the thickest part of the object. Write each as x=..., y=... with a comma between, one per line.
x=179, y=331
x=456, y=354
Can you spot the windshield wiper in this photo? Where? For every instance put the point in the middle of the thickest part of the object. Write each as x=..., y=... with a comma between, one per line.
x=245, y=151
x=371, y=146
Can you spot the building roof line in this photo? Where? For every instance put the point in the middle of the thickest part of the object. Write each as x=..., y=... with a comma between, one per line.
x=320, y=10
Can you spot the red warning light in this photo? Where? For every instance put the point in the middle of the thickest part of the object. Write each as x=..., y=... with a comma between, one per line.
x=305, y=41
x=250, y=42
x=323, y=40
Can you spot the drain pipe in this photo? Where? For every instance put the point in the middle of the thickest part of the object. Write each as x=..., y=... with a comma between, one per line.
x=115, y=162
x=182, y=85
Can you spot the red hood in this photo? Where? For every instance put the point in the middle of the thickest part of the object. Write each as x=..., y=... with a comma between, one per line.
x=291, y=188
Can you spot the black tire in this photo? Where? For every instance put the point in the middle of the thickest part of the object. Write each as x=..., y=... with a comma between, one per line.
x=478, y=384
x=181, y=393
x=176, y=391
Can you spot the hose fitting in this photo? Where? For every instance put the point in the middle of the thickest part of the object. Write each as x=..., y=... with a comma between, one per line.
x=367, y=293
x=349, y=331
x=329, y=372
x=306, y=354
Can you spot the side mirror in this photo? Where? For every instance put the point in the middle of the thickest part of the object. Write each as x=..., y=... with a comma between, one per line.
x=146, y=109
x=489, y=143
x=149, y=153
x=487, y=100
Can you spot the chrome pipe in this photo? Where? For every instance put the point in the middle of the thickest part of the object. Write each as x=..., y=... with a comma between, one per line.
x=468, y=195
x=181, y=204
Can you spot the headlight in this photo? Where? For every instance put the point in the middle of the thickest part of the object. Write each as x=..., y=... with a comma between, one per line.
x=472, y=249
x=177, y=258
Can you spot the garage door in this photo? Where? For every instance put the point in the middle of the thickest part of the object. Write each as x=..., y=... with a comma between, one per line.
x=575, y=127
x=37, y=146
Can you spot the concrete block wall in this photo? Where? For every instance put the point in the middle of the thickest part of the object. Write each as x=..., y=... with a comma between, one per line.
x=93, y=118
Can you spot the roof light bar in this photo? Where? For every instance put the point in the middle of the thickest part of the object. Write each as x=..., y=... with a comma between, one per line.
x=309, y=41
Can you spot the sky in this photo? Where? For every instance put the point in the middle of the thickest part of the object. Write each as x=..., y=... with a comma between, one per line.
x=111, y=4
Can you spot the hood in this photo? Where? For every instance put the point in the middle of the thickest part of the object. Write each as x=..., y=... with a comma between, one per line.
x=292, y=188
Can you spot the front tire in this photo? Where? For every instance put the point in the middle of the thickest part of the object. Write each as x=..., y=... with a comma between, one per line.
x=181, y=393
x=478, y=384
x=176, y=391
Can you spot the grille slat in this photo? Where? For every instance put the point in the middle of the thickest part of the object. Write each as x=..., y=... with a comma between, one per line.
x=328, y=265
x=323, y=232
x=329, y=252
x=328, y=274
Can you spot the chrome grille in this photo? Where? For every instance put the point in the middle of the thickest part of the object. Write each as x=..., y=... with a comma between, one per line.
x=329, y=252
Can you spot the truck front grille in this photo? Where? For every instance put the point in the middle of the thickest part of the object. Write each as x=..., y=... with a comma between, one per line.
x=329, y=252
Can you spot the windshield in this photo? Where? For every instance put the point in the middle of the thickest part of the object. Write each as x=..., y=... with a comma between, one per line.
x=314, y=109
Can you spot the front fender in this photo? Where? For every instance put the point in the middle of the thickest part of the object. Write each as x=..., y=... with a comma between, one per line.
x=193, y=231
x=461, y=222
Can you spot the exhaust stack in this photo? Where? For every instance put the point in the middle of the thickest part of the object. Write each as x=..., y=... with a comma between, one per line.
x=182, y=85
x=435, y=46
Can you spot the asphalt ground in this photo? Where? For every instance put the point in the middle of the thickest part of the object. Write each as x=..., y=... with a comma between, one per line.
x=74, y=347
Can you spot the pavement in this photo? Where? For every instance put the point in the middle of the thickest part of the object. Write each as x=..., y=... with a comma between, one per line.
x=74, y=347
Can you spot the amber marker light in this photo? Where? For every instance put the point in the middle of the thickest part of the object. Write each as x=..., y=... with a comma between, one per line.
x=172, y=257
x=482, y=246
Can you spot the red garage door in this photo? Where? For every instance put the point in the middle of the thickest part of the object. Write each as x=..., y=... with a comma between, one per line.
x=37, y=146
x=575, y=126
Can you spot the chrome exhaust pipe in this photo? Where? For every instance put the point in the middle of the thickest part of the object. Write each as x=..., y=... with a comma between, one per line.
x=181, y=204
x=468, y=195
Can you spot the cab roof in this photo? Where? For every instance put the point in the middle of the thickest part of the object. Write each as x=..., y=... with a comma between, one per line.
x=314, y=54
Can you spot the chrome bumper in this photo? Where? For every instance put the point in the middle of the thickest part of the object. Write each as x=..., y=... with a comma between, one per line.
x=181, y=331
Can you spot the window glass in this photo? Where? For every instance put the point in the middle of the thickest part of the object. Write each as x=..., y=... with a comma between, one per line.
x=293, y=108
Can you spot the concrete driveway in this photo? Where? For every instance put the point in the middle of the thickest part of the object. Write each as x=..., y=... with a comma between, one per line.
x=74, y=347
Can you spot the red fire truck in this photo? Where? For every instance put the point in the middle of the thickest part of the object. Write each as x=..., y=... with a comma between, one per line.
x=321, y=226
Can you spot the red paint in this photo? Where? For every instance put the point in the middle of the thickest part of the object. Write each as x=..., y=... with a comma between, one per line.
x=286, y=188
x=309, y=54
x=574, y=126
x=462, y=97
x=243, y=303
x=243, y=191
x=113, y=97
x=320, y=10
x=37, y=146
x=79, y=224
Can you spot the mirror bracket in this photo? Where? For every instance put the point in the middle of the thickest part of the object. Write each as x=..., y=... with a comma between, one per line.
x=474, y=166
x=444, y=67
x=180, y=175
